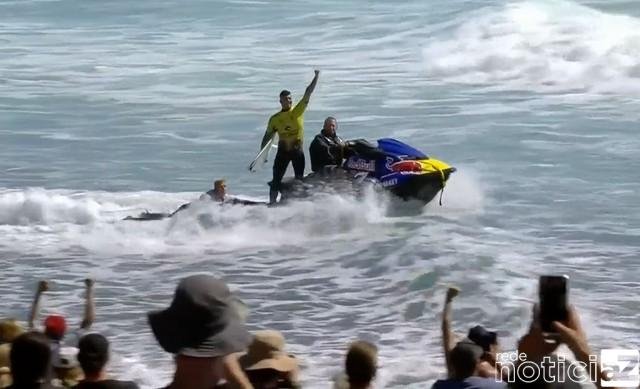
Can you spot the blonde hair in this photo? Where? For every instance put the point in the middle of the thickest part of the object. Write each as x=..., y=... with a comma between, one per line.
x=9, y=330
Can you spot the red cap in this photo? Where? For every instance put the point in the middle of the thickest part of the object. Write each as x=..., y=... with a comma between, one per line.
x=55, y=326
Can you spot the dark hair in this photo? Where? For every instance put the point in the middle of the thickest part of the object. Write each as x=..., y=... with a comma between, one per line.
x=284, y=93
x=464, y=358
x=482, y=337
x=361, y=363
x=93, y=353
x=30, y=358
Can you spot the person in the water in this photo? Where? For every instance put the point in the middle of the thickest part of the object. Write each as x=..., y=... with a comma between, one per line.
x=217, y=194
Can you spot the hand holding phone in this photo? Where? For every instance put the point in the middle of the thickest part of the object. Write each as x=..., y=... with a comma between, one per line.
x=553, y=293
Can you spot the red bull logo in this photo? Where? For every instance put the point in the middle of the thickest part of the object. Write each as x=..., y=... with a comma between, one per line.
x=407, y=166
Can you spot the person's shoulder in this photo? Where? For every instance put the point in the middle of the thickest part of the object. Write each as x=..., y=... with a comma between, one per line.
x=72, y=338
x=107, y=384
x=277, y=115
x=446, y=384
x=114, y=384
x=300, y=107
x=126, y=385
x=484, y=383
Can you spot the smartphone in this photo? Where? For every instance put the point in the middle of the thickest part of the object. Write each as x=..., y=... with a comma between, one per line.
x=553, y=293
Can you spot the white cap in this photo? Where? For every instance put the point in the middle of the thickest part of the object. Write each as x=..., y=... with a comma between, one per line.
x=66, y=358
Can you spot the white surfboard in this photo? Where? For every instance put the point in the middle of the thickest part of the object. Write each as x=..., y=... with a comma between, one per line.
x=262, y=157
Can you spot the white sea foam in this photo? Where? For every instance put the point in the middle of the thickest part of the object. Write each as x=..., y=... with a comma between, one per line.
x=93, y=220
x=546, y=46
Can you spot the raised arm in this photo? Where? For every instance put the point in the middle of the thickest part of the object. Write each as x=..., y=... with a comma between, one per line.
x=311, y=87
x=43, y=286
x=233, y=373
x=572, y=334
x=89, y=306
x=448, y=337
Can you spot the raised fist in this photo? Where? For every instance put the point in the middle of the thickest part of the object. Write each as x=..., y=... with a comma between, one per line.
x=43, y=286
x=452, y=292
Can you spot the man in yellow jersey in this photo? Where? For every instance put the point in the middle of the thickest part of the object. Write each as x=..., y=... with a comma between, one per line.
x=289, y=125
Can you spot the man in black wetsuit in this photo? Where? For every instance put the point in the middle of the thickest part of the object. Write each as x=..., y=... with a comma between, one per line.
x=326, y=148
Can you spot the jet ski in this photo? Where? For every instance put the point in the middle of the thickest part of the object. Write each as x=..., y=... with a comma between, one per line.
x=390, y=165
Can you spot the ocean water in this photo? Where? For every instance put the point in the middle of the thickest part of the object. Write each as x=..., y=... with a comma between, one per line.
x=110, y=108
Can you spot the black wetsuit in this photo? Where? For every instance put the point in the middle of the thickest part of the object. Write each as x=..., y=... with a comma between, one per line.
x=295, y=155
x=325, y=150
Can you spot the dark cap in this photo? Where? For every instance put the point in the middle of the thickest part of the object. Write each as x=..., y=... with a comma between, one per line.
x=204, y=320
x=482, y=337
x=93, y=353
x=284, y=93
x=93, y=346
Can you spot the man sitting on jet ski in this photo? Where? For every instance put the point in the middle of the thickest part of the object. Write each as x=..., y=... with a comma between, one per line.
x=217, y=194
x=327, y=148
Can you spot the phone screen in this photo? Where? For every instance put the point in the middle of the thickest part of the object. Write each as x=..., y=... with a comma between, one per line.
x=553, y=294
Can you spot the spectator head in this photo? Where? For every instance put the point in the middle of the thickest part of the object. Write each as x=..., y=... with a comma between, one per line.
x=330, y=125
x=488, y=340
x=30, y=358
x=266, y=363
x=54, y=327
x=203, y=324
x=361, y=363
x=9, y=330
x=93, y=354
x=464, y=359
x=66, y=366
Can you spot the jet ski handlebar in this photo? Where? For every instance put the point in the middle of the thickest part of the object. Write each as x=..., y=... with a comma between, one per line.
x=364, y=148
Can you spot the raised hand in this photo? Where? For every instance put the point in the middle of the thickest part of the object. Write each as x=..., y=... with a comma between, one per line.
x=43, y=286
x=452, y=292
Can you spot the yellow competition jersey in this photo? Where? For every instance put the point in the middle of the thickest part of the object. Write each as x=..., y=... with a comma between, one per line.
x=289, y=125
